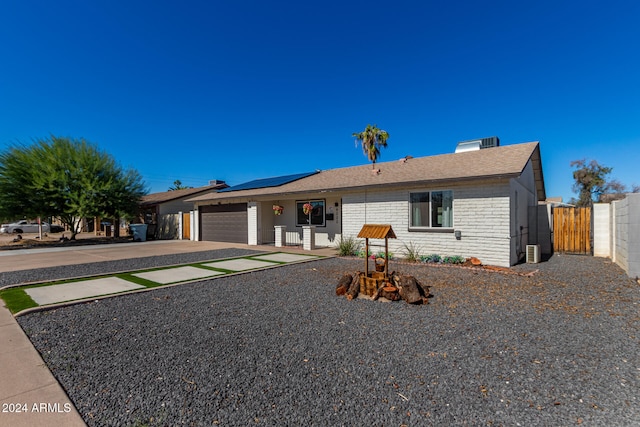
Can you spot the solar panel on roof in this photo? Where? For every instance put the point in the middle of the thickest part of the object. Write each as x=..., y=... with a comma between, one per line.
x=275, y=181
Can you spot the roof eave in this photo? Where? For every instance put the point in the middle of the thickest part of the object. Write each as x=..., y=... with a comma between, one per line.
x=418, y=183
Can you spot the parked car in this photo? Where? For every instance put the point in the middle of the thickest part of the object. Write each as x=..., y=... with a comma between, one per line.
x=24, y=226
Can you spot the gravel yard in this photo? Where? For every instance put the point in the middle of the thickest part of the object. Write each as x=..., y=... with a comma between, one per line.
x=277, y=347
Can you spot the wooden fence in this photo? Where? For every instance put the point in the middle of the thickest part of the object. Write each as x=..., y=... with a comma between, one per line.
x=186, y=226
x=572, y=230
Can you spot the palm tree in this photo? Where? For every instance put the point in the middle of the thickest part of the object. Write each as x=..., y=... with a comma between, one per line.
x=372, y=139
x=177, y=185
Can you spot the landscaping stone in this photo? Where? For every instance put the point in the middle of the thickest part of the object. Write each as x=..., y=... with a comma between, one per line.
x=559, y=346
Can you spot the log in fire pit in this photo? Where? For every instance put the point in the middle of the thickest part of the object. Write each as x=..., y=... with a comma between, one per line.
x=396, y=287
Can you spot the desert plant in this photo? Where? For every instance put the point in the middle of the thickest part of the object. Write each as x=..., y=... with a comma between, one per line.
x=381, y=254
x=453, y=259
x=433, y=258
x=348, y=246
x=361, y=253
x=412, y=252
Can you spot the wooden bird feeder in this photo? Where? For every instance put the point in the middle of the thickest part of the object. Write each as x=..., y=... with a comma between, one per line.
x=375, y=231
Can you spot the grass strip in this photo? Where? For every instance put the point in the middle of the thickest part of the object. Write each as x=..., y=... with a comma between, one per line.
x=16, y=299
x=129, y=277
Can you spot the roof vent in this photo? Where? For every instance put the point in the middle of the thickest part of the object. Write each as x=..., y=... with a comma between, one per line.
x=477, y=144
x=216, y=182
x=465, y=146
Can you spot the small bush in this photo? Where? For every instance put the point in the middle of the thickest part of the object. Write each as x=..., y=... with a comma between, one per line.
x=381, y=255
x=361, y=253
x=348, y=246
x=433, y=258
x=454, y=259
x=412, y=252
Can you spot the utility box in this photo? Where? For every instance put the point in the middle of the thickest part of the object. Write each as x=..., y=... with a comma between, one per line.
x=139, y=232
x=533, y=254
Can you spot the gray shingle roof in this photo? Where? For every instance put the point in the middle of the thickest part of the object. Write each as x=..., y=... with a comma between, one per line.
x=166, y=196
x=506, y=161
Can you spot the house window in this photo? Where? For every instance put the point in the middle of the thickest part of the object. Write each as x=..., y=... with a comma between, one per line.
x=431, y=209
x=315, y=215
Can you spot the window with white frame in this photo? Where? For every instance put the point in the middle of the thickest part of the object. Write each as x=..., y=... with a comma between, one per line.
x=310, y=212
x=431, y=209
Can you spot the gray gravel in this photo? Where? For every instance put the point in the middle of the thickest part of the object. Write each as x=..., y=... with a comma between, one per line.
x=277, y=347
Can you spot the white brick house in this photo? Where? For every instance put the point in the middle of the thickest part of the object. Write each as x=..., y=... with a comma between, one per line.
x=476, y=203
x=163, y=211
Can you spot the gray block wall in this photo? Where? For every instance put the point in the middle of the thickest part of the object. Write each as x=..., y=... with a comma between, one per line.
x=634, y=235
x=626, y=234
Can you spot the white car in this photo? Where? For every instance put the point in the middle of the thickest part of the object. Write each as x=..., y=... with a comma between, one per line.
x=24, y=226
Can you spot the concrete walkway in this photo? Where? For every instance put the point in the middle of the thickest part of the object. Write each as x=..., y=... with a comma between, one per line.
x=29, y=393
x=97, y=287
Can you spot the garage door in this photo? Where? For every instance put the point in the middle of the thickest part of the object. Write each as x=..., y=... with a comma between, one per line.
x=224, y=223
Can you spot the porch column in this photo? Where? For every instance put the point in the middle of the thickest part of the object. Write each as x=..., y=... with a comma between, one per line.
x=281, y=235
x=196, y=224
x=192, y=225
x=253, y=222
x=308, y=237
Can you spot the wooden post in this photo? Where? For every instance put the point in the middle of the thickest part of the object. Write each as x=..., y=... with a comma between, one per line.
x=386, y=257
x=366, y=257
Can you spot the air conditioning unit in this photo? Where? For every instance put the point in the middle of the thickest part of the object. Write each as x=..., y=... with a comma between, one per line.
x=492, y=141
x=533, y=254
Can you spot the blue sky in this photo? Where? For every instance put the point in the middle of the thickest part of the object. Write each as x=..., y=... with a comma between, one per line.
x=239, y=90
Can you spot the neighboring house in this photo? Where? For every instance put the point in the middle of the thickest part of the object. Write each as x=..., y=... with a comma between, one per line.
x=479, y=202
x=167, y=213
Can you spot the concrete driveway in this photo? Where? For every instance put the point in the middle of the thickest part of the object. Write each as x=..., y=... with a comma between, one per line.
x=27, y=259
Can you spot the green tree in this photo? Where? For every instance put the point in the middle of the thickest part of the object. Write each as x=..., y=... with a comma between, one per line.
x=15, y=178
x=592, y=185
x=177, y=185
x=69, y=179
x=371, y=139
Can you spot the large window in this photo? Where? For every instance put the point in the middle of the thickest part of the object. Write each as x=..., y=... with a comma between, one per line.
x=312, y=216
x=431, y=209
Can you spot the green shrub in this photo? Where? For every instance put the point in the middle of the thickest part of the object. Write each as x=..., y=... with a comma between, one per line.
x=454, y=259
x=380, y=254
x=412, y=252
x=349, y=246
x=433, y=258
x=361, y=253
